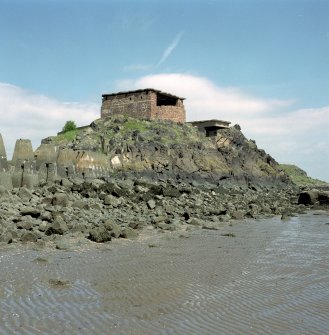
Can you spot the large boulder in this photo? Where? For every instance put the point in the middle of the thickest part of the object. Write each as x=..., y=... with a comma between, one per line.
x=99, y=235
x=59, y=226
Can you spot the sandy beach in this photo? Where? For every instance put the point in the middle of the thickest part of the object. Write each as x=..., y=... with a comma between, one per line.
x=267, y=276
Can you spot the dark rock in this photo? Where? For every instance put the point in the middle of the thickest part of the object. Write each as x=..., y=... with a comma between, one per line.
x=113, y=201
x=211, y=226
x=323, y=198
x=47, y=200
x=187, y=215
x=171, y=192
x=29, y=236
x=25, y=224
x=136, y=224
x=129, y=233
x=81, y=204
x=59, y=226
x=46, y=216
x=114, y=229
x=194, y=222
x=66, y=183
x=59, y=283
x=25, y=194
x=96, y=184
x=99, y=235
x=60, y=199
x=170, y=226
x=32, y=211
x=228, y=235
x=6, y=237
x=238, y=215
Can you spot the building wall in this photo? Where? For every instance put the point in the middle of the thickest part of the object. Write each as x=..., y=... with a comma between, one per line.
x=173, y=113
x=142, y=105
x=137, y=105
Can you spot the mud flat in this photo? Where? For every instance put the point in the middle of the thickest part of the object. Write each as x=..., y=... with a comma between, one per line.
x=267, y=276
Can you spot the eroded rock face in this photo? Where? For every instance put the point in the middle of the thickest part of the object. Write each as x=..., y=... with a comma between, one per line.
x=121, y=175
x=156, y=149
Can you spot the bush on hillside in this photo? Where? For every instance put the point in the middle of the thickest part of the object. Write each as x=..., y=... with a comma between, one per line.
x=69, y=125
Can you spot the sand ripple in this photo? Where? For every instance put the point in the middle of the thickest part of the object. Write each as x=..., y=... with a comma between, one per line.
x=271, y=278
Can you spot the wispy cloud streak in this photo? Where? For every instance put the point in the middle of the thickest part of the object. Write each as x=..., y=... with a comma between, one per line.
x=149, y=67
x=170, y=48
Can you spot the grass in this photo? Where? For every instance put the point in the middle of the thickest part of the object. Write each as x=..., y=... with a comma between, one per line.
x=300, y=177
x=135, y=124
x=67, y=136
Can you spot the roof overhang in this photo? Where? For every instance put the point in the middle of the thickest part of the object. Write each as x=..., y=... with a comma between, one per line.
x=211, y=123
x=141, y=91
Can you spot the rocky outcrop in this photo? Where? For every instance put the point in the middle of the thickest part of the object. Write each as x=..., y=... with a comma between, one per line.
x=118, y=175
x=156, y=149
x=163, y=149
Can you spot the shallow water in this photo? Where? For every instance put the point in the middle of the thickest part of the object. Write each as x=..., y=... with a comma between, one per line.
x=271, y=277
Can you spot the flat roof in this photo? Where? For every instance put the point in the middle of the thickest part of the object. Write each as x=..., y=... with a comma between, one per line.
x=143, y=90
x=212, y=122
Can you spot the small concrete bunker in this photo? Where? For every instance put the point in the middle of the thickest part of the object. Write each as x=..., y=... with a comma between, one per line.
x=210, y=127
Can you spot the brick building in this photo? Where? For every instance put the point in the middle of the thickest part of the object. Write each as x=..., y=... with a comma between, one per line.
x=149, y=104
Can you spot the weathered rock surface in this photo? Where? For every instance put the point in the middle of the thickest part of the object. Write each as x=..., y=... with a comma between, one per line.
x=100, y=210
x=154, y=149
x=120, y=175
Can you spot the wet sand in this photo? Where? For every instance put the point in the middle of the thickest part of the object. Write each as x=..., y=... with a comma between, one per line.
x=264, y=277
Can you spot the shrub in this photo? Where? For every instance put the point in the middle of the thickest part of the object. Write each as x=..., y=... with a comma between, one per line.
x=69, y=125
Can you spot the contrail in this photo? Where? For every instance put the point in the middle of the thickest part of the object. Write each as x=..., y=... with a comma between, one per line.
x=171, y=48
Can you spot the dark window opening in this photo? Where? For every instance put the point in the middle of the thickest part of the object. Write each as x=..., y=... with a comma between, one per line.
x=211, y=131
x=165, y=100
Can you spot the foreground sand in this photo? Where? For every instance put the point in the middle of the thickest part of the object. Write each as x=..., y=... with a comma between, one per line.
x=253, y=277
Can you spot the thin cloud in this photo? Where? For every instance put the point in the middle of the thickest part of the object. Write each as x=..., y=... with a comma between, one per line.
x=148, y=67
x=170, y=48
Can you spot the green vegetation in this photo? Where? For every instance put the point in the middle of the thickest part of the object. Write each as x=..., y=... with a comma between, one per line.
x=163, y=132
x=69, y=126
x=69, y=135
x=120, y=132
x=299, y=176
x=135, y=124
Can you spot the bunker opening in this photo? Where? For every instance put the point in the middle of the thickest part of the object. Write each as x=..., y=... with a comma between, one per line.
x=166, y=100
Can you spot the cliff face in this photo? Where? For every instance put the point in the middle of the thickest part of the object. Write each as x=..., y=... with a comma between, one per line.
x=116, y=176
x=124, y=145
x=157, y=149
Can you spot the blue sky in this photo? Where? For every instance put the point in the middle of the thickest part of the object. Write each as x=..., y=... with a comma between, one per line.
x=261, y=63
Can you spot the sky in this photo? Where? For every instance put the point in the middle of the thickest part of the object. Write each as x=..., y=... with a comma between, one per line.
x=262, y=64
